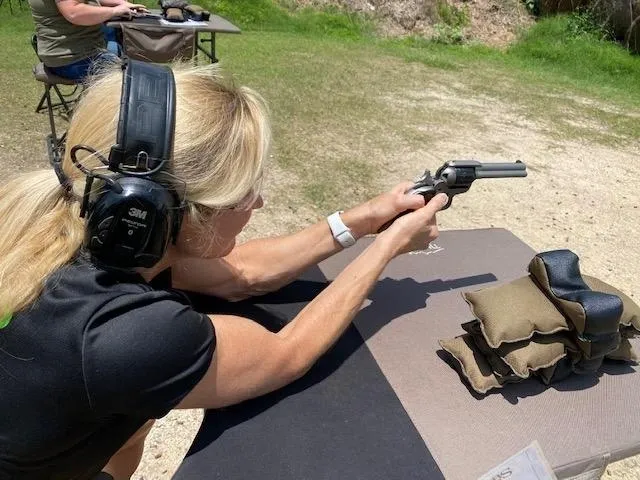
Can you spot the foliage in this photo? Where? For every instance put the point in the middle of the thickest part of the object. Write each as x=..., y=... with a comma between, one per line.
x=267, y=15
x=447, y=34
x=584, y=23
x=450, y=29
x=533, y=6
x=452, y=15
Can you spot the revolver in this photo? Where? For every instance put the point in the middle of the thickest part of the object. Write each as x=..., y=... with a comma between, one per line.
x=456, y=177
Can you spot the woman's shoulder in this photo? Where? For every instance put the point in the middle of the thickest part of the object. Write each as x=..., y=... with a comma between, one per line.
x=83, y=294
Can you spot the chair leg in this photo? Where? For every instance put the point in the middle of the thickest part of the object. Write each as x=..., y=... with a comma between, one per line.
x=52, y=123
x=64, y=103
x=40, y=107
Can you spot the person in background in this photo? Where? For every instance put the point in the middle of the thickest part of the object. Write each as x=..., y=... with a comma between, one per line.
x=71, y=36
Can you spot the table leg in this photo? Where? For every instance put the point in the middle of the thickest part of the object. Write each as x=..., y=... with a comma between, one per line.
x=211, y=52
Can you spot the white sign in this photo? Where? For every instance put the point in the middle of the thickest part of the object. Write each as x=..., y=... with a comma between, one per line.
x=527, y=464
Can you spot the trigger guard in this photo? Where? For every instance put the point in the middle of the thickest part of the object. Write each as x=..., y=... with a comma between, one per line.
x=448, y=204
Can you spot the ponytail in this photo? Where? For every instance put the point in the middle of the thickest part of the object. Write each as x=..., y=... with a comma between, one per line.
x=41, y=231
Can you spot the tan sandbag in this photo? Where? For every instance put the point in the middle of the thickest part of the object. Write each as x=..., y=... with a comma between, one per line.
x=625, y=352
x=538, y=352
x=499, y=368
x=473, y=366
x=174, y=15
x=514, y=311
x=628, y=331
x=630, y=309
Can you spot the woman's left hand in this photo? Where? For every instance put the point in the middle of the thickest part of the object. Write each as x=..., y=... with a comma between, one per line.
x=136, y=6
x=368, y=217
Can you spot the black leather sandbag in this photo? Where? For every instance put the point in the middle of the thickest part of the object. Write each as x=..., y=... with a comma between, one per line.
x=599, y=346
x=593, y=314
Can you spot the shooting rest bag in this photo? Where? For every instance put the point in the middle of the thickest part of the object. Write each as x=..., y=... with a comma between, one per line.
x=514, y=311
x=630, y=310
x=591, y=313
x=497, y=364
x=473, y=366
x=181, y=11
x=624, y=353
x=551, y=323
x=157, y=44
x=523, y=357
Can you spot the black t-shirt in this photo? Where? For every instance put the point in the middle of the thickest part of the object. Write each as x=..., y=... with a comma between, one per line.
x=96, y=356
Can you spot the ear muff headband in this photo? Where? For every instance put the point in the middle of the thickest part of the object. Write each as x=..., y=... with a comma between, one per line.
x=138, y=211
x=146, y=124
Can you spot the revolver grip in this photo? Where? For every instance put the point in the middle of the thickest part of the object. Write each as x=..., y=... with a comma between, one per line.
x=427, y=198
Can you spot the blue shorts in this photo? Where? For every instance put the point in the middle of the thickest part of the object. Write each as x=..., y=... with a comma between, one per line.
x=80, y=69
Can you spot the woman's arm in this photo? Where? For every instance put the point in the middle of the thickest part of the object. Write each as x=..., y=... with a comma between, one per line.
x=79, y=13
x=250, y=361
x=113, y=3
x=263, y=265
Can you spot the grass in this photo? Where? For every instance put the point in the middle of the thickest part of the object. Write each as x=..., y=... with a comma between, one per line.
x=333, y=89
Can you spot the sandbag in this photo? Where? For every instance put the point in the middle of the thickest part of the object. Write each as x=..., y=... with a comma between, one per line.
x=592, y=314
x=624, y=353
x=497, y=365
x=523, y=357
x=473, y=366
x=514, y=311
x=630, y=310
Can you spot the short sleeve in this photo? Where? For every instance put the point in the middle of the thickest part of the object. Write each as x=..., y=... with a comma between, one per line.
x=143, y=353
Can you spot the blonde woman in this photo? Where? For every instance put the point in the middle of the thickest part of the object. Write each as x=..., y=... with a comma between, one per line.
x=90, y=355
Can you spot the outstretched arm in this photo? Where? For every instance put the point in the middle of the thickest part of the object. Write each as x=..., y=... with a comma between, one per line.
x=250, y=361
x=113, y=3
x=263, y=265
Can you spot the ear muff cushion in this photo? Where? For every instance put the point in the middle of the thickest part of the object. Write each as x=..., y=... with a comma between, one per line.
x=131, y=228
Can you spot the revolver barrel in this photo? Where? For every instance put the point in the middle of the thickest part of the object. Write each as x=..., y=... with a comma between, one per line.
x=501, y=170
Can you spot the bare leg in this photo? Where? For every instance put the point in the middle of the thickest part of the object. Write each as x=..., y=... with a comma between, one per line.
x=126, y=460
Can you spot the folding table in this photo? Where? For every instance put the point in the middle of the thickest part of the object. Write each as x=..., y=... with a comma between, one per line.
x=385, y=404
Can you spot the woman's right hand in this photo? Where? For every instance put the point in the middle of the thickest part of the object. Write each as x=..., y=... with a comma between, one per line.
x=415, y=230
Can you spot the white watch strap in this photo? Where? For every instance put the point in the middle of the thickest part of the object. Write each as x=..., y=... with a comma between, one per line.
x=340, y=231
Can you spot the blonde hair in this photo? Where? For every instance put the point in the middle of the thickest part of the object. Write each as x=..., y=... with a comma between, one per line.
x=222, y=138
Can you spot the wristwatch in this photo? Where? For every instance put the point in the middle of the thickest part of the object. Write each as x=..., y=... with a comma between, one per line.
x=340, y=231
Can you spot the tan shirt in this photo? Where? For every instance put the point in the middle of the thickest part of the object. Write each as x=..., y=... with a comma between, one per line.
x=59, y=41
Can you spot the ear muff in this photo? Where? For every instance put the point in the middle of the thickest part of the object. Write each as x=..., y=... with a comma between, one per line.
x=137, y=211
x=131, y=222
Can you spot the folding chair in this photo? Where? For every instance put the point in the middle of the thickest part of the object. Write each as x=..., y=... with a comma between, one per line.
x=55, y=143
